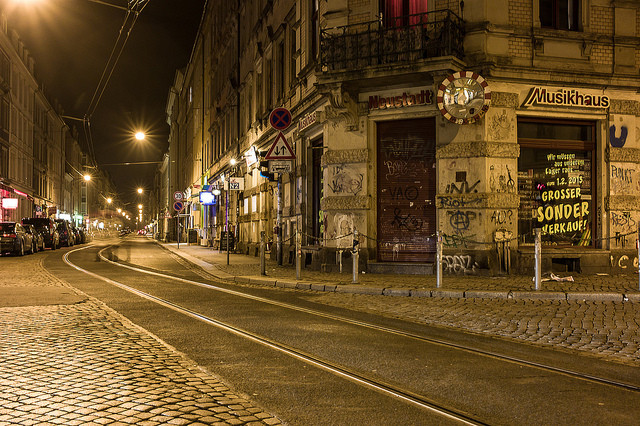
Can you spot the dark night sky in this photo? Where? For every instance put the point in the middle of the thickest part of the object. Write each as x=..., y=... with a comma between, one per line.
x=71, y=40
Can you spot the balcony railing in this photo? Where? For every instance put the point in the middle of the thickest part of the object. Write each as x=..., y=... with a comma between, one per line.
x=400, y=40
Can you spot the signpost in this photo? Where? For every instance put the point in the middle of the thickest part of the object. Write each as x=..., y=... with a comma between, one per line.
x=178, y=196
x=178, y=206
x=280, y=149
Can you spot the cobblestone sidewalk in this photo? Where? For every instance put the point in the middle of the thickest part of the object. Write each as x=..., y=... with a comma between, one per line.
x=84, y=363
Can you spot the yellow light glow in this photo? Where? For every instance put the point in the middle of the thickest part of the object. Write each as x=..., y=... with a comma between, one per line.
x=140, y=136
x=139, y=190
x=109, y=200
x=87, y=178
x=140, y=206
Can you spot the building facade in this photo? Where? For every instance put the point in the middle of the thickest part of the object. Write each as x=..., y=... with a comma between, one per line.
x=41, y=160
x=481, y=121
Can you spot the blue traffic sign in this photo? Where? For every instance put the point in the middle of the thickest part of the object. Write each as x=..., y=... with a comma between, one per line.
x=178, y=206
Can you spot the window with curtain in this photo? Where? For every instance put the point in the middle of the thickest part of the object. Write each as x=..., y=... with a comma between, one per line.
x=560, y=14
x=396, y=13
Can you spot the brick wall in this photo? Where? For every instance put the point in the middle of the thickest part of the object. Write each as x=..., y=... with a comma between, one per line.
x=520, y=13
x=602, y=20
x=602, y=54
x=520, y=47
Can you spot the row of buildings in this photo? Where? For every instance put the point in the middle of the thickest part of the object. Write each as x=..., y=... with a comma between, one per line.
x=482, y=120
x=42, y=161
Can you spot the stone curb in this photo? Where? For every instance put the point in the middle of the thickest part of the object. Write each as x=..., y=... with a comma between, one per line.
x=407, y=292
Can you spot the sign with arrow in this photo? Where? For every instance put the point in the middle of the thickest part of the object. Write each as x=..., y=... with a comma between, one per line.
x=280, y=149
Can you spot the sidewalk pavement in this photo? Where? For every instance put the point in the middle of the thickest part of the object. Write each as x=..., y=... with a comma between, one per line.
x=246, y=269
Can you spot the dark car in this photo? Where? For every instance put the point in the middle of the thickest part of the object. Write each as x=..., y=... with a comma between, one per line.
x=67, y=238
x=38, y=238
x=14, y=239
x=77, y=238
x=47, y=228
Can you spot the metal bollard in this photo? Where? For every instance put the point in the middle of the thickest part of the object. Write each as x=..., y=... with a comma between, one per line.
x=262, y=254
x=298, y=255
x=438, y=259
x=638, y=247
x=538, y=258
x=339, y=259
x=356, y=256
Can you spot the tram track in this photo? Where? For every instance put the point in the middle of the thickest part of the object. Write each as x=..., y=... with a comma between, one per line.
x=335, y=368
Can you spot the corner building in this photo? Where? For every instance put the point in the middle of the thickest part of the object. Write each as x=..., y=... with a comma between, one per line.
x=482, y=120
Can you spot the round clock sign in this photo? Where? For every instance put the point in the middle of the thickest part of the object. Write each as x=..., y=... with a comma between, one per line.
x=464, y=97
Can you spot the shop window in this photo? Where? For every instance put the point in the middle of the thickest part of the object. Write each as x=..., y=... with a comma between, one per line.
x=397, y=13
x=556, y=182
x=560, y=14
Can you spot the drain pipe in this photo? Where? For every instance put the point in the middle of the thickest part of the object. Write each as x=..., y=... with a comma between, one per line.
x=438, y=259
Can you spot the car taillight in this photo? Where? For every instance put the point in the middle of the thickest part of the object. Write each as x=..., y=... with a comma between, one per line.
x=9, y=235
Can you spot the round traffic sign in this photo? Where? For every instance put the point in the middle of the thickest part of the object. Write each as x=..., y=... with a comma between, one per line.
x=178, y=206
x=280, y=118
x=178, y=195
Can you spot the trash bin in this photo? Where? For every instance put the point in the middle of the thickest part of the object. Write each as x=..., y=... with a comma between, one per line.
x=193, y=236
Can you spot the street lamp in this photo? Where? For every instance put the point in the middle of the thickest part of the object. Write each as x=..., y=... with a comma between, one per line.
x=140, y=191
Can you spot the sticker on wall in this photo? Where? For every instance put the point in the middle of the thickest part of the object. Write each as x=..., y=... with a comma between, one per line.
x=464, y=97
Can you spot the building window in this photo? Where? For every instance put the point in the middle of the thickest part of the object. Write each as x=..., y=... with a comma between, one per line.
x=315, y=29
x=556, y=181
x=560, y=14
x=396, y=13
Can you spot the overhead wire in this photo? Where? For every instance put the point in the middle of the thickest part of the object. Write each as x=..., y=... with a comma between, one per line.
x=134, y=8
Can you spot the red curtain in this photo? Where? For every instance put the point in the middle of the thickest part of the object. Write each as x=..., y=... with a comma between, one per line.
x=396, y=10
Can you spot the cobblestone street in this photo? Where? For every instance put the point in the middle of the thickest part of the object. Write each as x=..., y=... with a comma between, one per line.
x=83, y=363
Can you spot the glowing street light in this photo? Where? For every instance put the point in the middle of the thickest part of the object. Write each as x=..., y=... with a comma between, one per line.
x=86, y=177
x=140, y=136
x=139, y=190
x=109, y=200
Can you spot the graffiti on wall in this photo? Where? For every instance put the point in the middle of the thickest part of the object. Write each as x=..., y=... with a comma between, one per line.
x=459, y=264
x=500, y=179
x=618, y=141
x=501, y=217
x=345, y=180
x=624, y=262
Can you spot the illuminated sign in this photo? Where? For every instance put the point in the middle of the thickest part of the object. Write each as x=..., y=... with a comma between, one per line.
x=207, y=198
x=565, y=97
x=424, y=97
x=251, y=157
x=10, y=203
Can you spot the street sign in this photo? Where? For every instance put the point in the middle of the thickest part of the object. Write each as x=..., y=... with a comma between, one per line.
x=280, y=149
x=234, y=184
x=178, y=195
x=178, y=206
x=279, y=166
x=280, y=118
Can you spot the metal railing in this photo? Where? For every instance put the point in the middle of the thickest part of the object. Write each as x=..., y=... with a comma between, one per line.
x=399, y=40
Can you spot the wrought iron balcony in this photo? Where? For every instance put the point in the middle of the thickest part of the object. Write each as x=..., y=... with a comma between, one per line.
x=400, y=40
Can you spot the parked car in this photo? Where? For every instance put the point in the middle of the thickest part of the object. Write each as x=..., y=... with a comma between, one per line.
x=47, y=228
x=77, y=238
x=37, y=237
x=14, y=239
x=67, y=238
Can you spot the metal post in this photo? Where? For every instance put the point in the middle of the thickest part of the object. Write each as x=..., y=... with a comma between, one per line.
x=538, y=258
x=298, y=255
x=356, y=255
x=638, y=247
x=227, y=223
x=178, y=228
x=262, y=254
x=438, y=259
x=279, y=227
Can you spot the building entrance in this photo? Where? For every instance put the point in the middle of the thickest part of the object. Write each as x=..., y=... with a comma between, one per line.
x=406, y=191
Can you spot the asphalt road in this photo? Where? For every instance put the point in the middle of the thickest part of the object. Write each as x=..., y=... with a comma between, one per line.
x=487, y=389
